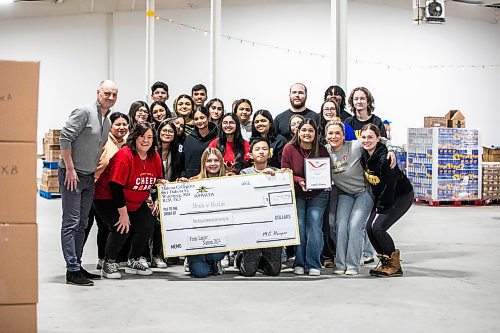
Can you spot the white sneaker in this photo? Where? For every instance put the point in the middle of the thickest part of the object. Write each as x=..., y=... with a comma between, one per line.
x=339, y=271
x=220, y=268
x=143, y=261
x=351, y=272
x=367, y=260
x=110, y=270
x=225, y=261
x=137, y=267
x=186, y=265
x=314, y=272
x=298, y=270
x=158, y=263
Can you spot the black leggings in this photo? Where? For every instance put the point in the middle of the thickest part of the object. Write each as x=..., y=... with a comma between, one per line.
x=155, y=246
x=141, y=222
x=378, y=224
x=102, y=232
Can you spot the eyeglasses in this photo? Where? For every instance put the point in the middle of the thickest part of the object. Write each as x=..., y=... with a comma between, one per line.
x=142, y=111
x=228, y=123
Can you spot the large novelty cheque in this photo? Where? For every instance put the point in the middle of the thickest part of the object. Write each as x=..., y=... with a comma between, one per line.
x=228, y=213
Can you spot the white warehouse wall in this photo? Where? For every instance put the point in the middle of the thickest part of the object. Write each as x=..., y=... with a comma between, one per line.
x=72, y=51
x=74, y=55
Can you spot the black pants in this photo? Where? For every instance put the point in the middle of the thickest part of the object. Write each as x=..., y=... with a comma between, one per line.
x=269, y=260
x=155, y=246
x=328, y=244
x=378, y=224
x=102, y=232
x=141, y=222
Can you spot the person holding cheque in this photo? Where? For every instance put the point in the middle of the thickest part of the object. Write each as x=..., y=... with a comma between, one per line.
x=310, y=203
x=203, y=265
x=354, y=198
x=120, y=199
x=267, y=259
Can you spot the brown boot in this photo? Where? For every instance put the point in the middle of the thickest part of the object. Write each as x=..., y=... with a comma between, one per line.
x=380, y=265
x=392, y=267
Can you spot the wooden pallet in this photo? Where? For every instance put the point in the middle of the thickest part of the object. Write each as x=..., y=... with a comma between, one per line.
x=49, y=195
x=476, y=202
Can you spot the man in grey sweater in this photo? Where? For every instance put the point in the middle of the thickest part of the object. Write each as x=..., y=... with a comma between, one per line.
x=82, y=139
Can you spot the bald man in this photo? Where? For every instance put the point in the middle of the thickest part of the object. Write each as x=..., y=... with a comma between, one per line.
x=82, y=139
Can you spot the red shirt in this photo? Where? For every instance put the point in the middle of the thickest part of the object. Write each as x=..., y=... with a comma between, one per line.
x=136, y=176
x=229, y=153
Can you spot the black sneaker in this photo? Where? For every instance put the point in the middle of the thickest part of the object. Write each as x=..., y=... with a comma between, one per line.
x=89, y=275
x=78, y=279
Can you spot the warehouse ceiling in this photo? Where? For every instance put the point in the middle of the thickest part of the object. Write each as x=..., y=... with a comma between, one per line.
x=483, y=10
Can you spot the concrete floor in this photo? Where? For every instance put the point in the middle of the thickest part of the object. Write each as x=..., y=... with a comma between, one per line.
x=451, y=262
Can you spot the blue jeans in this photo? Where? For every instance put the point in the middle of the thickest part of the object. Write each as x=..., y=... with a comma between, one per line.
x=352, y=212
x=332, y=214
x=76, y=207
x=310, y=215
x=203, y=265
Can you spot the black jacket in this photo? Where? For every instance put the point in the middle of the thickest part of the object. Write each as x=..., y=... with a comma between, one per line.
x=276, y=144
x=193, y=148
x=387, y=184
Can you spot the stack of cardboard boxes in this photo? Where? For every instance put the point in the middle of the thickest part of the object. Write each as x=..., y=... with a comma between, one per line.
x=491, y=180
x=49, y=185
x=51, y=148
x=452, y=119
x=491, y=154
x=18, y=229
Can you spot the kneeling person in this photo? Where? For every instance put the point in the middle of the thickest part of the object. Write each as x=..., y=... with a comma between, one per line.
x=120, y=199
x=268, y=259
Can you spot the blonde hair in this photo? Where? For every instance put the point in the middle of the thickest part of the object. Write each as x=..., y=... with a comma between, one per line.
x=204, y=157
x=335, y=122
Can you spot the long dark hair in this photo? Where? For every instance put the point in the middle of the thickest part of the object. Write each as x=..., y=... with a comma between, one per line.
x=272, y=129
x=167, y=112
x=175, y=158
x=322, y=121
x=192, y=105
x=139, y=130
x=238, y=141
x=337, y=90
x=209, y=104
x=133, y=110
x=315, y=144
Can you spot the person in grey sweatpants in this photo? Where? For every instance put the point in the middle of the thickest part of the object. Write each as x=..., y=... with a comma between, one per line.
x=82, y=139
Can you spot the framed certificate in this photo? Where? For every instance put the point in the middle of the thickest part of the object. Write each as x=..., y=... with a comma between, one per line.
x=317, y=172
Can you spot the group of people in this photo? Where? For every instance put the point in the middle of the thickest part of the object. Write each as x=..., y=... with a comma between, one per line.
x=112, y=162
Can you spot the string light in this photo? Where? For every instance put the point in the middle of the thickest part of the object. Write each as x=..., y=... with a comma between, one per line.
x=323, y=56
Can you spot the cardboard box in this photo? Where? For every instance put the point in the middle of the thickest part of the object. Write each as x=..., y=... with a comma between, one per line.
x=435, y=122
x=17, y=182
x=52, y=155
x=18, y=100
x=491, y=154
x=18, y=318
x=50, y=172
x=49, y=189
x=19, y=259
x=53, y=133
x=455, y=119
